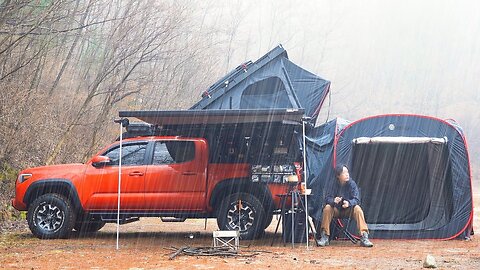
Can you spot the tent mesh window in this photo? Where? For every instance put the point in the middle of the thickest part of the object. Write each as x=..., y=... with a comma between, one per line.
x=403, y=183
x=265, y=94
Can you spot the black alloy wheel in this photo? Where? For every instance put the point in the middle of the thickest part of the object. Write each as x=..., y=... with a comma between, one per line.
x=50, y=216
x=242, y=212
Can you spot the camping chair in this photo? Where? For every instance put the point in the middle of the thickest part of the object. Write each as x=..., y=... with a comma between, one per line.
x=340, y=226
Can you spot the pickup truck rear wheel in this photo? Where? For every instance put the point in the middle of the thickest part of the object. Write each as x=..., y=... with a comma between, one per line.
x=51, y=216
x=242, y=212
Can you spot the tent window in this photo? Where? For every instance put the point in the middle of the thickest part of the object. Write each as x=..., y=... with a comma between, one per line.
x=403, y=183
x=267, y=93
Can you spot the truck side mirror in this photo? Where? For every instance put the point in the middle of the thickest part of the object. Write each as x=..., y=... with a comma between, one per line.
x=100, y=161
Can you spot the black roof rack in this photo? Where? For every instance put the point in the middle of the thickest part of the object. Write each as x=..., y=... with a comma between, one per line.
x=215, y=117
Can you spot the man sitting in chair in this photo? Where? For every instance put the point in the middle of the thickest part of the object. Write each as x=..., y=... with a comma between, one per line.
x=342, y=201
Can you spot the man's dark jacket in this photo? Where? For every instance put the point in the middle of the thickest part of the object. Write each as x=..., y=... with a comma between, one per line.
x=349, y=191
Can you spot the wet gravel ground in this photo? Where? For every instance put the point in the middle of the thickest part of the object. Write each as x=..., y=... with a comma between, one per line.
x=145, y=245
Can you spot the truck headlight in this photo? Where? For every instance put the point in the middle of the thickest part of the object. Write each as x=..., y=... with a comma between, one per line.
x=23, y=177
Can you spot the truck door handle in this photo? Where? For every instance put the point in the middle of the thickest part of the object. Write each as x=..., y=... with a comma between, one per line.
x=189, y=173
x=136, y=173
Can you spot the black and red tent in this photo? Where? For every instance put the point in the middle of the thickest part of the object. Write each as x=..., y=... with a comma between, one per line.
x=414, y=174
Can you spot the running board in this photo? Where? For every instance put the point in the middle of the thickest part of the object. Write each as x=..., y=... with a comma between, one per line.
x=122, y=221
x=167, y=219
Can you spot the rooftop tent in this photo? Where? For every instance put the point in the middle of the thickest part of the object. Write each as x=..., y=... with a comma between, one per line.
x=272, y=81
x=414, y=175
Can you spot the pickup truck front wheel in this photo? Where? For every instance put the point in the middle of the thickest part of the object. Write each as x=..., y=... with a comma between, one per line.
x=242, y=212
x=51, y=216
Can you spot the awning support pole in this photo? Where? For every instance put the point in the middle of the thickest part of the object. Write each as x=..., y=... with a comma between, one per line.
x=123, y=122
x=304, y=119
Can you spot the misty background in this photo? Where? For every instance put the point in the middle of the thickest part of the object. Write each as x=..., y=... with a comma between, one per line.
x=67, y=67
x=417, y=57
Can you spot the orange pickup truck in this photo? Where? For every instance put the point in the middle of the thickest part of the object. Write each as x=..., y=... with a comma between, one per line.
x=227, y=177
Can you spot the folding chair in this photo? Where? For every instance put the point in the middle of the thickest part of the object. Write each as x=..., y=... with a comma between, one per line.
x=340, y=225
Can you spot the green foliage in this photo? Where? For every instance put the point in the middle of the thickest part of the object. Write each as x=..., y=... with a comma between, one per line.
x=8, y=176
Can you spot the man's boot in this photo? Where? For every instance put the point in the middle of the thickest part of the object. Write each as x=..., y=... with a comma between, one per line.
x=364, y=242
x=323, y=239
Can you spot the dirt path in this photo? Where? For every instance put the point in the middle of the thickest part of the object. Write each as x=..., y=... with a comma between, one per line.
x=143, y=245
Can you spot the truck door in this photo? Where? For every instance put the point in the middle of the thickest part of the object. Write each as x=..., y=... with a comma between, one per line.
x=176, y=178
x=101, y=184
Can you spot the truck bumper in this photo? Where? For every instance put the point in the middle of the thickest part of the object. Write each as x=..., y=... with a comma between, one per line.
x=20, y=206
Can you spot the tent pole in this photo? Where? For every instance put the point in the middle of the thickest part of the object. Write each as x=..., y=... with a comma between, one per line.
x=305, y=178
x=119, y=181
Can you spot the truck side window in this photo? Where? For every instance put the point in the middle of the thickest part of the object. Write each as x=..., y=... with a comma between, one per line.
x=132, y=154
x=169, y=152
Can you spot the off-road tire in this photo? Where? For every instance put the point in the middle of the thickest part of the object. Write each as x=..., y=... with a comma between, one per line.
x=243, y=212
x=51, y=216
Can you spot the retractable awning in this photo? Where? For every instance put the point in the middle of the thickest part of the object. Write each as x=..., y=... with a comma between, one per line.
x=195, y=117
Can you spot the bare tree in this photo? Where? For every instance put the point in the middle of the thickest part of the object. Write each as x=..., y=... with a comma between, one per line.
x=68, y=66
